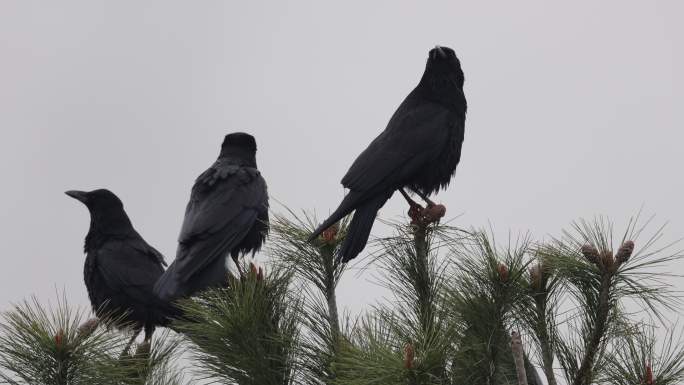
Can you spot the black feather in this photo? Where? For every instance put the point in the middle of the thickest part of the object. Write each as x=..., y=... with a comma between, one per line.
x=360, y=227
x=227, y=214
x=120, y=267
x=419, y=149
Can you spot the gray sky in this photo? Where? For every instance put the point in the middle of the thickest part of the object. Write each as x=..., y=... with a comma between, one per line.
x=575, y=109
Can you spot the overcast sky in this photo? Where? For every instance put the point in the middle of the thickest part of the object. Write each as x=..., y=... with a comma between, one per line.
x=575, y=109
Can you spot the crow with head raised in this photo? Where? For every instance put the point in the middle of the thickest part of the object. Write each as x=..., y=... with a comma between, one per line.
x=419, y=149
x=120, y=267
x=227, y=214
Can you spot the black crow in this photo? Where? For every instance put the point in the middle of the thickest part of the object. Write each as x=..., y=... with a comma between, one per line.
x=227, y=214
x=120, y=267
x=419, y=149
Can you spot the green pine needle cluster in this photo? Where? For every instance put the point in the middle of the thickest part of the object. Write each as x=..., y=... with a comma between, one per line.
x=589, y=307
x=57, y=346
x=246, y=334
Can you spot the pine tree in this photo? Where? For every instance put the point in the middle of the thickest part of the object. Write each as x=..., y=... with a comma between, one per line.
x=465, y=310
x=56, y=346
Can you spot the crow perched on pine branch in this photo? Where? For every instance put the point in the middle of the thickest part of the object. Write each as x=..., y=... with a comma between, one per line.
x=120, y=267
x=419, y=149
x=227, y=214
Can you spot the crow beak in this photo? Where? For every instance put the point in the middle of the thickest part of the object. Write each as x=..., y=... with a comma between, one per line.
x=81, y=196
x=439, y=52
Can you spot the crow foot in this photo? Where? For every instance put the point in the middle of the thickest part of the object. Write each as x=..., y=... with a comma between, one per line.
x=433, y=213
x=236, y=259
x=425, y=216
x=143, y=349
x=416, y=213
x=127, y=348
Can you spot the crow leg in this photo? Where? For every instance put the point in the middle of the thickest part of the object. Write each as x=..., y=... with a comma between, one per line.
x=410, y=201
x=143, y=349
x=416, y=210
x=235, y=259
x=427, y=200
x=432, y=213
x=130, y=342
x=149, y=330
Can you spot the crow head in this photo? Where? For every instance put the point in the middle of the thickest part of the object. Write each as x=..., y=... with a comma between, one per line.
x=240, y=140
x=442, y=81
x=442, y=62
x=241, y=146
x=107, y=213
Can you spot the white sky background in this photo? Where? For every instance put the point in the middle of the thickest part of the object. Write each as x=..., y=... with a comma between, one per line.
x=575, y=109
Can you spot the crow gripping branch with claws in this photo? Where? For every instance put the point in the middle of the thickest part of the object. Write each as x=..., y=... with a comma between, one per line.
x=227, y=215
x=120, y=267
x=419, y=150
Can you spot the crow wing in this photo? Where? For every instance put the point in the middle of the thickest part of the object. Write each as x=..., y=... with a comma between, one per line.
x=143, y=247
x=224, y=205
x=414, y=135
x=129, y=267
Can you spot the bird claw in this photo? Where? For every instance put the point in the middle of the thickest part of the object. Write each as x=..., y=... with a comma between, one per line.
x=242, y=272
x=433, y=213
x=425, y=216
x=415, y=213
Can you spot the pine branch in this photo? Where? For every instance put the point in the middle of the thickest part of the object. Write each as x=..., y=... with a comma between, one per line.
x=316, y=263
x=518, y=358
x=421, y=282
x=539, y=315
x=488, y=292
x=542, y=329
x=53, y=346
x=412, y=340
x=247, y=334
x=603, y=308
x=636, y=359
x=599, y=282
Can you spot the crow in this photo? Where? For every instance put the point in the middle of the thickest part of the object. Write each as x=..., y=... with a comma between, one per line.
x=419, y=149
x=227, y=214
x=120, y=267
